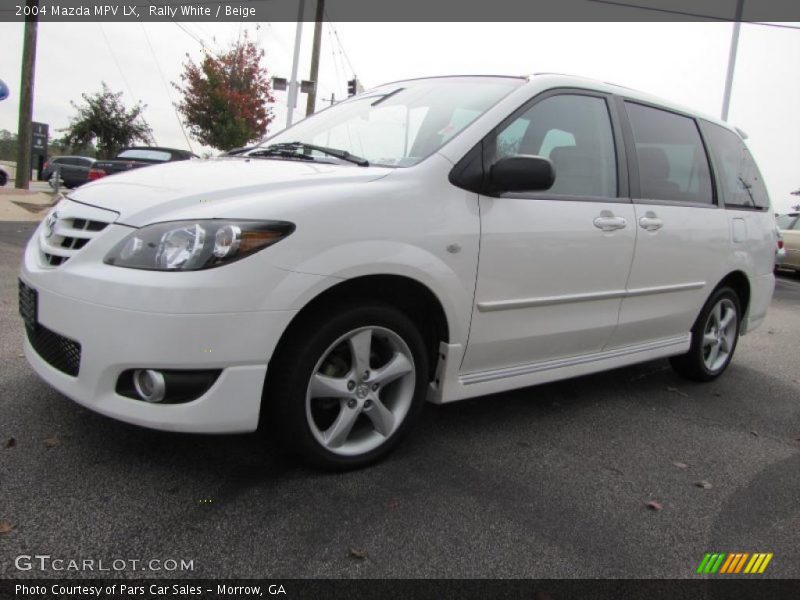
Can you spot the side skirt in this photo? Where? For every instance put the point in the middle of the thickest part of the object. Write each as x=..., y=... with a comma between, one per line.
x=449, y=385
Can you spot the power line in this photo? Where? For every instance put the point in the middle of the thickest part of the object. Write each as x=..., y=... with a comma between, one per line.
x=203, y=31
x=339, y=42
x=196, y=38
x=166, y=87
x=339, y=77
x=114, y=58
x=689, y=14
x=779, y=25
x=122, y=74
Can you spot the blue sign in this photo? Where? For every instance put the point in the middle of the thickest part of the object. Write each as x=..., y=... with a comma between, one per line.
x=4, y=92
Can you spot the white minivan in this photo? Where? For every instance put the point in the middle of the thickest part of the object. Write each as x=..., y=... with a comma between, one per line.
x=438, y=239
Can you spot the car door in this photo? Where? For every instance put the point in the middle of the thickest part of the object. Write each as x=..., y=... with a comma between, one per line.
x=553, y=264
x=54, y=165
x=68, y=167
x=82, y=170
x=683, y=236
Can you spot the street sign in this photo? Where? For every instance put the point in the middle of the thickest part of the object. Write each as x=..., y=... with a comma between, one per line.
x=39, y=137
x=4, y=91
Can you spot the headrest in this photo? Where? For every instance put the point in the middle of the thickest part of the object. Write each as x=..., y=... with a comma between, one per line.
x=653, y=163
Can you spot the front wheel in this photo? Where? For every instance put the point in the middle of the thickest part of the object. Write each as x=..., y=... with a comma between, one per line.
x=714, y=338
x=346, y=389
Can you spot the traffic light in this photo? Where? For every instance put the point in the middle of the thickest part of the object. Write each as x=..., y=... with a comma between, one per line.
x=352, y=87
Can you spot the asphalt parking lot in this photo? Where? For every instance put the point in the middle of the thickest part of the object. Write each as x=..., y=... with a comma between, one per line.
x=552, y=481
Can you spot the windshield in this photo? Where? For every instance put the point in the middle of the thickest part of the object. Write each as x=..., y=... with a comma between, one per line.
x=398, y=125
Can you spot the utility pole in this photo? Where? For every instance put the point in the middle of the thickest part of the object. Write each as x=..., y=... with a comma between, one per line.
x=726, y=99
x=314, y=76
x=25, y=126
x=293, y=84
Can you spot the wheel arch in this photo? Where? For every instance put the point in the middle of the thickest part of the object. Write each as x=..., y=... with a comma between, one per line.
x=407, y=294
x=739, y=283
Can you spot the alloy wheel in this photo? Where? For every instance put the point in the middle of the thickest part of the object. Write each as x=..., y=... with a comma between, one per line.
x=719, y=335
x=360, y=391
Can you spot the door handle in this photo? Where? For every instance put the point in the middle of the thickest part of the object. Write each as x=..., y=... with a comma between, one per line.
x=608, y=222
x=651, y=223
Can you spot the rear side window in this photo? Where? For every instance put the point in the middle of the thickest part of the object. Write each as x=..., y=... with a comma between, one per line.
x=671, y=156
x=740, y=180
x=574, y=132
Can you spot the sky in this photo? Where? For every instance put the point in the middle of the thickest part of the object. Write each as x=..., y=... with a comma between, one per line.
x=681, y=62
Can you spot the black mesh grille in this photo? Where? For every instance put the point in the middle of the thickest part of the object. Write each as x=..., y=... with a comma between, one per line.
x=60, y=352
x=28, y=303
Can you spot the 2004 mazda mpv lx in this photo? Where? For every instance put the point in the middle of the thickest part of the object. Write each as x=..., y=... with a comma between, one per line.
x=439, y=238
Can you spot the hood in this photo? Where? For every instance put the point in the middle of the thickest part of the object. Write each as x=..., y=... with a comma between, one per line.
x=208, y=187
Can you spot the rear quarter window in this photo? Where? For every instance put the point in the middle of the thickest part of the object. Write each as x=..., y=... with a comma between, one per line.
x=737, y=174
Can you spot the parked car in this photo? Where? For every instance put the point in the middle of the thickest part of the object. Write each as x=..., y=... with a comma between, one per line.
x=135, y=158
x=789, y=225
x=780, y=249
x=73, y=170
x=3, y=177
x=439, y=239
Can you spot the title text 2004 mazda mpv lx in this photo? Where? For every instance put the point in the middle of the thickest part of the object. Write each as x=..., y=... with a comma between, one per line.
x=442, y=238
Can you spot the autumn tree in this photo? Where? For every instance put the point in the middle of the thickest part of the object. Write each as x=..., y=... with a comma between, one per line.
x=103, y=120
x=224, y=98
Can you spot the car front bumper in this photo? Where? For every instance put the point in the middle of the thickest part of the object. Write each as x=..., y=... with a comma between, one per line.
x=227, y=320
x=114, y=340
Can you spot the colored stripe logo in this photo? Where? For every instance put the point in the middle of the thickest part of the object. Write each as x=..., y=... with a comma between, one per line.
x=731, y=563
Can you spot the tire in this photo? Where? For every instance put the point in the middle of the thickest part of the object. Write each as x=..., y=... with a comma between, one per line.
x=714, y=338
x=331, y=409
x=3, y=178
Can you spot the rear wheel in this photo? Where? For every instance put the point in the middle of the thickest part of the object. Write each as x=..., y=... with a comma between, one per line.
x=345, y=390
x=714, y=338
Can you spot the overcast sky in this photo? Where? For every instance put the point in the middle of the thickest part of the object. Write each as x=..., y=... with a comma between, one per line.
x=681, y=62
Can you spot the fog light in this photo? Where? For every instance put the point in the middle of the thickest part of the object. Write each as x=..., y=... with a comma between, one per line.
x=166, y=386
x=149, y=385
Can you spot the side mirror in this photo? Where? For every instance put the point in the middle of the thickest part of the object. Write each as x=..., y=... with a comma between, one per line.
x=522, y=173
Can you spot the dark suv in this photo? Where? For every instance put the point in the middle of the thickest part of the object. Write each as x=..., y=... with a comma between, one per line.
x=74, y=170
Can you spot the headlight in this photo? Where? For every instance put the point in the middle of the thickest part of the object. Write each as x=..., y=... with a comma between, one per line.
x=195, y=245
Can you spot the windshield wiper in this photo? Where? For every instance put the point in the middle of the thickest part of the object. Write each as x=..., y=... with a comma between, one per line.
x=386, y=97
x=280, y=153
x=747, y=187
x=335, y=152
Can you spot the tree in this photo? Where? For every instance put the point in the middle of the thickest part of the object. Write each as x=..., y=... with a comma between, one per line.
x=104, y=120
x=61, y=147
x=224, y=98
x=8, y=145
